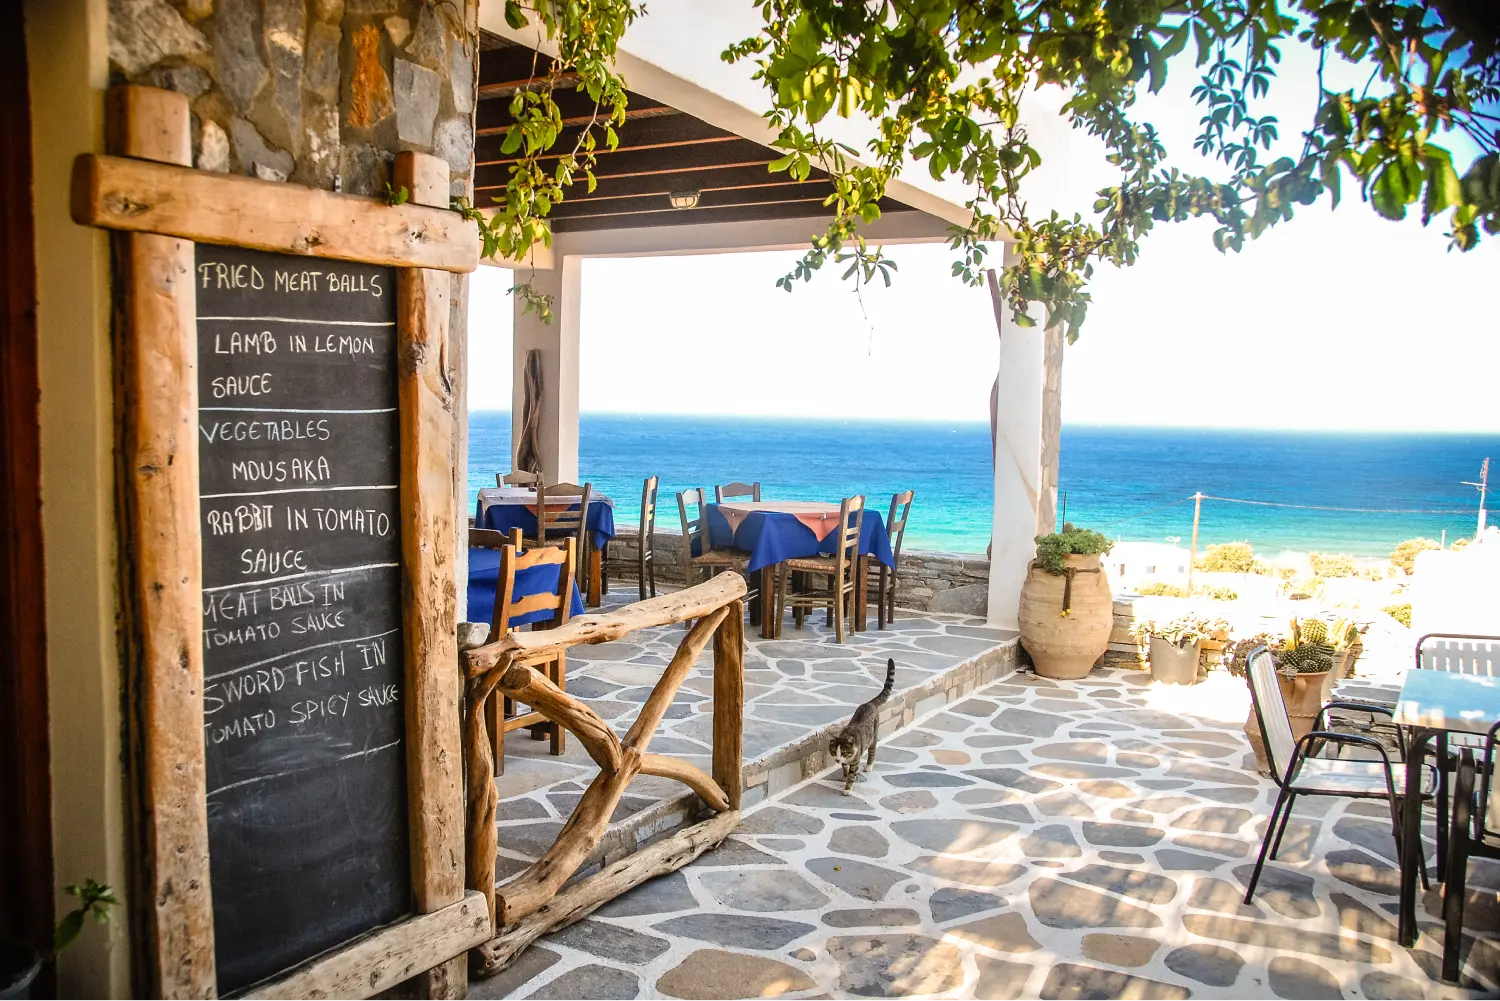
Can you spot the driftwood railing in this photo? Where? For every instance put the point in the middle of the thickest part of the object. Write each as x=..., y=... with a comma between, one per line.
x=529, y=905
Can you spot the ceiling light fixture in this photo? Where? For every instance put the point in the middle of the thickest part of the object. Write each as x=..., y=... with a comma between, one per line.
x=684, y=199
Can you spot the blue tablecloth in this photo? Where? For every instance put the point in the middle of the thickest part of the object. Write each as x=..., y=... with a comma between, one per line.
x=503, y=517
x=773, y=536
x=484, y=579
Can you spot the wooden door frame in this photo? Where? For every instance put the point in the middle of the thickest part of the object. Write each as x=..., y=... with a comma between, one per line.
x=26, y=887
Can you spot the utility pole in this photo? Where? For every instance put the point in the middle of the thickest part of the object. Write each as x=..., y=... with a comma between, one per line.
x=1193, y=553
x=1483, y=486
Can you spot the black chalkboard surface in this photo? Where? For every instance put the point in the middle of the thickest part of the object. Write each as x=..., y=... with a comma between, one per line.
x=303, y=722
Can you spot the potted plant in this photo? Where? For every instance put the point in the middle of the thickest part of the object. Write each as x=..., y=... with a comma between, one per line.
x=1066, y=609
x=1310, y=657
x=20, y=963
x=1176, y=646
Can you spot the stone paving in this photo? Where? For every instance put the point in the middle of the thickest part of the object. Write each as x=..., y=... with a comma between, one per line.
x=796, y=689
x=1036, y=839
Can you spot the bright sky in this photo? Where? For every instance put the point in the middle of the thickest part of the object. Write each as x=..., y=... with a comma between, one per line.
x=1339, y=320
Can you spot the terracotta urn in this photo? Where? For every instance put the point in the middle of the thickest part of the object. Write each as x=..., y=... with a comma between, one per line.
x=1065, y=641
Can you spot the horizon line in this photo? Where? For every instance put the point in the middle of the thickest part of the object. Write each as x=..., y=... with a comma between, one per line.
x=1258, y=429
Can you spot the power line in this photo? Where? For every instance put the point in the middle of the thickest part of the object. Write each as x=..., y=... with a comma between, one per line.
x=1320, y=507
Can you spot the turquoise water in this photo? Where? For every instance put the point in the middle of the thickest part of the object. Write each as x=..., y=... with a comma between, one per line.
x=1110, y=476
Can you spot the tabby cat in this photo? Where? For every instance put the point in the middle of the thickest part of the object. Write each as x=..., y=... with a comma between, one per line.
x=859, y=735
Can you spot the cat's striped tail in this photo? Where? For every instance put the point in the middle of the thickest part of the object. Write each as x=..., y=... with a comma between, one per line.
x=890, y=677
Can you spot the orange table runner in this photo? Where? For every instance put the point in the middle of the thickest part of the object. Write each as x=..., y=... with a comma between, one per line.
x=820, y=516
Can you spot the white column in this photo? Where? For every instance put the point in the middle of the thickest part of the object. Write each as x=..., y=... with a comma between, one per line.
x=1018, y=460
x=558, y=343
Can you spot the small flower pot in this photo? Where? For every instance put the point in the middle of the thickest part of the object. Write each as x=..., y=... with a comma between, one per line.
x=1174, y=665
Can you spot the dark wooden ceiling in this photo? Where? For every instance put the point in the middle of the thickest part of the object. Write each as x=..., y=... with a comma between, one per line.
x=661, y=151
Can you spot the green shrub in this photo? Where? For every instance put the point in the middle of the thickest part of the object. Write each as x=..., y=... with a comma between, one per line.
x=1332, y=564
x=1228, y=557
x=1215, y=593
x=1401, y=613
x=1163, y=589
x=1050, y=549
x=1405, y=555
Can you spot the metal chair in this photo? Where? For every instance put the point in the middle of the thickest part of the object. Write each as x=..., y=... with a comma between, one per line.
x=1459, y=653
x=1297, y=772
x=895, y=531
x=645, y=561
x=1472, y=836
x=842, y=570
x=1456, y=653
x=737, y=490
x=517, y=478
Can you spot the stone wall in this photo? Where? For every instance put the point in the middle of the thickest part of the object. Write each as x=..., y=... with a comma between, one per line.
x=322, y=93
x=930, y=581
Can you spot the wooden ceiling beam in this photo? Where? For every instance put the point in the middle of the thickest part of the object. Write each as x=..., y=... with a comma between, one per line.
x=684, y=217
x=791, y=191
x=659, y=132
x=505, y=88
x=502, y=120
x=702, y=179
x=730, y=153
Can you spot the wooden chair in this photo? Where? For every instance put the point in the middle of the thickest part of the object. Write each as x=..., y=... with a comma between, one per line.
x=737, y=490
x=696, y=530
x=841, y=569
x=895, y=531
x=502, y=716
x=517, y=478
x=555, y=522
x=645, y=561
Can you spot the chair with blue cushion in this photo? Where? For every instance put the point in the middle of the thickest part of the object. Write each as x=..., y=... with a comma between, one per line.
x=502, y=716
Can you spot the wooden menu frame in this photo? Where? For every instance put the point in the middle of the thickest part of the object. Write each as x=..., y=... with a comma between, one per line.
x=147, y=190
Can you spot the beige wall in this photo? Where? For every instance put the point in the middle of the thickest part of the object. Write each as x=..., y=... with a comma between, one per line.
x=67, y=53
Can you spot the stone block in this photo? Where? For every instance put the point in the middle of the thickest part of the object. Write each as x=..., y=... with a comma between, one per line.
x=144, y=32
x=965, y=599
x=416, y=96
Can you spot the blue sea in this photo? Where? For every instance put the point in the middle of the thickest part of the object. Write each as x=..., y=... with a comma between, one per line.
x=1131, y=483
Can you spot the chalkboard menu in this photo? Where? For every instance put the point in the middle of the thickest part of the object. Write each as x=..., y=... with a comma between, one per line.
x=303, y=722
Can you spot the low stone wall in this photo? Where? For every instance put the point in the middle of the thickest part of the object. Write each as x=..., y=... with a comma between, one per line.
x=930, y=581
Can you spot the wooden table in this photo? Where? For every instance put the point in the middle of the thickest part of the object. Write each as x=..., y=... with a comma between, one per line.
x=1432, y=705
x=773, y=531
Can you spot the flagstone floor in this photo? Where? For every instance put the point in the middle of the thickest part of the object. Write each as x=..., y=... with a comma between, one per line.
x=1037, y=839
x=795, y=688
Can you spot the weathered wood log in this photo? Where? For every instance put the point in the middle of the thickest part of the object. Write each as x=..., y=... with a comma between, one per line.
x=666, y=609
x=525, y=684
x=483, y=801
x=388, y=956
x=162, y=559
x=729, y=704
x=688, y=774
x=540, y=881
x=434, y=747
x=142, y=197
x=580, y=900
x=655, y=707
